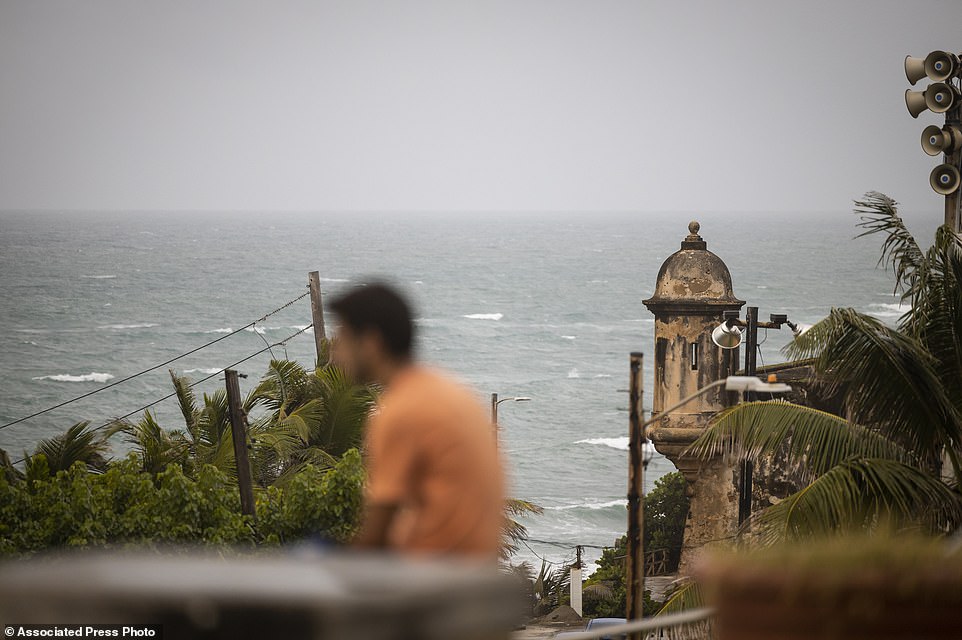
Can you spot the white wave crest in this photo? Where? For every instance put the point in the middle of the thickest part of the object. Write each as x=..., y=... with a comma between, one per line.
x=589, y=505
x=93, y=376
x=620, y=443
x=142, y=325
x=484, y=316
x=204, y=370
x=333, y=279
x=574, y=374
x=224, y=330
x=104, y=277
x=569, y=337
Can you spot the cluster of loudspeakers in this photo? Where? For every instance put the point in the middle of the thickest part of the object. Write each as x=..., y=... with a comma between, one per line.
x=940, y=97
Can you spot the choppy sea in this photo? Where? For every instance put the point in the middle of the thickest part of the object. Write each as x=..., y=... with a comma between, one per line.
x=543, y=306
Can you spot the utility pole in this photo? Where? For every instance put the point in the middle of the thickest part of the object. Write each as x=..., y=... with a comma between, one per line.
x=635, y=561
x=317, y=315
x=747, y=468
x=238, y=427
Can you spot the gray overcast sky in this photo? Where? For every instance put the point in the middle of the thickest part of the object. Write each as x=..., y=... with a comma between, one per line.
x=447, y=105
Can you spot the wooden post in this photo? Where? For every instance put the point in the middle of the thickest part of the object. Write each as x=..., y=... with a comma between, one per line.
x=238, y=427
x=317, y=315
x=635, y=561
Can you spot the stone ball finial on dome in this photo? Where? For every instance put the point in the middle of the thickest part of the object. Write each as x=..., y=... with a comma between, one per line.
x=694, y=241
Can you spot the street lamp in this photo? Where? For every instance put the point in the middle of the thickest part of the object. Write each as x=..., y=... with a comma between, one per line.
x=495, y=402
x=728, y=335
x=635, y=567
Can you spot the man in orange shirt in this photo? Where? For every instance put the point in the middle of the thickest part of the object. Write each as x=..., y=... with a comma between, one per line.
x=435, y=484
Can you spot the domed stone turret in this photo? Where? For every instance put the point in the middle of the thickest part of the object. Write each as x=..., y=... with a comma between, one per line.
x=693, y=290
x=694, y=277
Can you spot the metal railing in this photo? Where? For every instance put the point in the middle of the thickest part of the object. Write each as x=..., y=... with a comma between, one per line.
x=687, y=625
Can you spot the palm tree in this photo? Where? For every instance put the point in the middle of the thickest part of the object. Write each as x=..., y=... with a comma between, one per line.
x=901, y=389
x=79, y=443
x=312, y=417
x=155, y=446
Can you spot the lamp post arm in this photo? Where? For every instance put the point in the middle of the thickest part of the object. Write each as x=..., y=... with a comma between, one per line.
x=684, y=401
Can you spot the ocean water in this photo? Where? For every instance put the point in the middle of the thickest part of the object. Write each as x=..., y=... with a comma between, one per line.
x=543, y=306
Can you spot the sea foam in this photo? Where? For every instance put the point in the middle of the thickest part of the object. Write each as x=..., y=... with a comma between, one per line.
x=620, y=443
x=484, y=316
x=89, y=377
x=589, y=505
x=143, y=325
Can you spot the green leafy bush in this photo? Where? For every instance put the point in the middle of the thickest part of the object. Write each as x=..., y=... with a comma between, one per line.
x=127, y=506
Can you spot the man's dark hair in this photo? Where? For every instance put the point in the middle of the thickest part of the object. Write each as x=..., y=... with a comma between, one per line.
x=378, y=307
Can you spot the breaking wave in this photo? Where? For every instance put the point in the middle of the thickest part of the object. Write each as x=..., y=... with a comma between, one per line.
x=484, y=316
x=89, y=377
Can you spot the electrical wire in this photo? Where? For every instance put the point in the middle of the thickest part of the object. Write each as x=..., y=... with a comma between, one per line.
x=194, y=384
x=155, y=367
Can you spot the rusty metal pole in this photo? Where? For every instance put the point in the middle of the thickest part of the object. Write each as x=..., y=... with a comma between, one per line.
x=317, y=316
x=635, y=561
x=747, y=468
x=238, y=427
x=953, y=200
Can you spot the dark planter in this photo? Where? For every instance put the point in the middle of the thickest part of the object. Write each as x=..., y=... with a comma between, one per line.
x=853, y=589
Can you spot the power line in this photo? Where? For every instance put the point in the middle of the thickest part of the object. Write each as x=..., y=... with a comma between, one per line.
x=194, y=384
x=155, y=367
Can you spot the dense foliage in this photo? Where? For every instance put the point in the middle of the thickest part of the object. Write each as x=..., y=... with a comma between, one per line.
x=179, y=485
x=125, y=506
x=666, y=508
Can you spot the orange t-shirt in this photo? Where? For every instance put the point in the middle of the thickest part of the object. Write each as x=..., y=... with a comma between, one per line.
x=432, y=451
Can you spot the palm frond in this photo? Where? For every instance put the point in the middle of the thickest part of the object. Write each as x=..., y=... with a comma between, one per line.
x=879, y=214
x=687, y=595
x=856, y=493
x=812, y=440
x=886, y=377
x=155, y=446
x=186, y=399
x=346, y=406
x=79, y=443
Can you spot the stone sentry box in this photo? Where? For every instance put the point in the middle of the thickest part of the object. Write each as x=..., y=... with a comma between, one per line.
x=693, y=290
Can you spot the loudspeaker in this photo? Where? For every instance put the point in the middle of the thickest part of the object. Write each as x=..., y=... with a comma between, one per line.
x=726, y=337
x=915, y=102
x=948, y=139
x=941, y=65
x=944, y=179
x=914, y=69
x=940, y=97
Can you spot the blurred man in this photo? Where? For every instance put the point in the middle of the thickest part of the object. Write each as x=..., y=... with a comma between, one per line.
x=435, y=484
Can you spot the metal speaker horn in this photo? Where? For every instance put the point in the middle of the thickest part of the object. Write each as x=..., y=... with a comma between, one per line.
x=944, y=179
x=941, y=65
x=914, y=69
x=948, y=139
x=726, y=337
x=915, y=102
x=940, y=97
